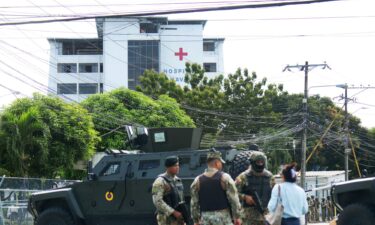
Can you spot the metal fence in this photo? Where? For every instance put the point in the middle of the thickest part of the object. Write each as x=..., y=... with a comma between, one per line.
x=14, y=194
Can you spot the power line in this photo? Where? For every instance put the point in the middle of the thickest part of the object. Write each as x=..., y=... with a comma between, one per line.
x=175, y=11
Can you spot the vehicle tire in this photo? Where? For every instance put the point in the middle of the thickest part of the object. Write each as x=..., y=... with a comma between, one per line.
x=240, y=163
x=356, y=214
x=55, y=216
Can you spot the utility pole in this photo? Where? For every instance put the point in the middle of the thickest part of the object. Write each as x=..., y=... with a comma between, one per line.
x=346, y=147
x=306, y=69
x=346, y=125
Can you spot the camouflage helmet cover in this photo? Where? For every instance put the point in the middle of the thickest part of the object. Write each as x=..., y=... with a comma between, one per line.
x=255, y=156
x=213, y=154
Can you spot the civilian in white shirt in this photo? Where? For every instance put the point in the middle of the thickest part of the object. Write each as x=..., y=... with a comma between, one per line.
x=292, y=196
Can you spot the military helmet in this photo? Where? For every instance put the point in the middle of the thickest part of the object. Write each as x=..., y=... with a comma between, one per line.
x=258, y=156
x=255, y=156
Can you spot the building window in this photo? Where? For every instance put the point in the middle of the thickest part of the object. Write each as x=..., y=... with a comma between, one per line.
x=209, y=46
x=82, y=47
x=67, y=68
x=101, y=67
x=88, y=89
x=66, y=89
x=148, y=28
x=88, y=67
x=142, y=55
x=209, y=67
x=101, y=88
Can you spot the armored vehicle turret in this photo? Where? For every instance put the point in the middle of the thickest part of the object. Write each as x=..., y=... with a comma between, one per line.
x=118, y=185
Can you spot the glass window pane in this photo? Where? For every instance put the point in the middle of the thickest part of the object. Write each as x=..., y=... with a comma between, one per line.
x=111, y=169
x=88, y=88
x=208, y=46
x=88, y=67
x=66, y=89
x=142, y=55
x=67, y=68
x=148, y=164
x=209, y=67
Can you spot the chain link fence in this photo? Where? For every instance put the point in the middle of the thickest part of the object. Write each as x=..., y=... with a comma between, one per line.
x=14, y=195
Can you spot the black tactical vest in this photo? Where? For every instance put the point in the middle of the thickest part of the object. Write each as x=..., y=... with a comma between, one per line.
x=261, y=184
x=175, y=196
x=211, y=195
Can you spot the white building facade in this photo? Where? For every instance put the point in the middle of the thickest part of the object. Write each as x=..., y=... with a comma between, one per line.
x=124, y=49
x=318, y=183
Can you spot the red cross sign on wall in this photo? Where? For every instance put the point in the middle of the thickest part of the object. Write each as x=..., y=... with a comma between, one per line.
x=181, y=54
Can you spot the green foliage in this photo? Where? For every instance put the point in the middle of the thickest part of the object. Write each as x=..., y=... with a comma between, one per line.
x=237, y=106
x=44, y=136
x=240, y=109
x=113, y=110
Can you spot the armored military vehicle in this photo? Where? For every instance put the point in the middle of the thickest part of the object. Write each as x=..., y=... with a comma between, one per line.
x=118, y=185
x=355, y=201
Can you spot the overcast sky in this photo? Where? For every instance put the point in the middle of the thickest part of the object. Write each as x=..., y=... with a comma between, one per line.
x=340, y=33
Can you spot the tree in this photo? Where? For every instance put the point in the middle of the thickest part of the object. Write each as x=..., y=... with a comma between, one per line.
x=44, y=137
x=236, y=101
x=113, y=110
x=239, y=109
x=232, y=110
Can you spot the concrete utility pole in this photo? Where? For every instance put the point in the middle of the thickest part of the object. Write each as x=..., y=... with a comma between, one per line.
x=306, y=69
x=346, y=142
x=346, y=125
x=347, y=149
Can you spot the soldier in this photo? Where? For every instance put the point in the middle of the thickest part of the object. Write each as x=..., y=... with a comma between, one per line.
x=313, y=211
x=317, y=209
x=308, y=216
x=214, y=196
x=330, y=208
x=324, y=210
x=255, y=186
x=167, y=194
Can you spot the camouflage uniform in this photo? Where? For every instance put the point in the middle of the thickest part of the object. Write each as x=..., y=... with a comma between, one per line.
x=251, y=216
x=311, y=209
x=317, y=209
x=218, y=217
x=330, y=208
x=324, y=210
x=308, y=215
x=160, y=188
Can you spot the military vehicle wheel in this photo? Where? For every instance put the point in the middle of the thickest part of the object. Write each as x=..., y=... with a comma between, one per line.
x=240, y=163
x=356, y=214
x=55, y=216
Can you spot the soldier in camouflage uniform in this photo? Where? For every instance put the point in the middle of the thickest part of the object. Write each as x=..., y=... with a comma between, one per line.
x=255, y=181
x=214, y=196
x=317, y=209
x=323, y=205
x=330, y=208
x=312, y=209
x=167, y=193
x=308, y=215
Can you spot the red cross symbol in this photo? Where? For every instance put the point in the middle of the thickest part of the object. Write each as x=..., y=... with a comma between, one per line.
x=181, y=54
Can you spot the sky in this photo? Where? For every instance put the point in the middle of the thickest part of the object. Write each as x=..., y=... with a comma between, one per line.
x=340, y=33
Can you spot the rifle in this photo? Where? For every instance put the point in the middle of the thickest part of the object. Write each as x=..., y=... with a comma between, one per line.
x=258, y=204
x=183, y=209
x=178, y=204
